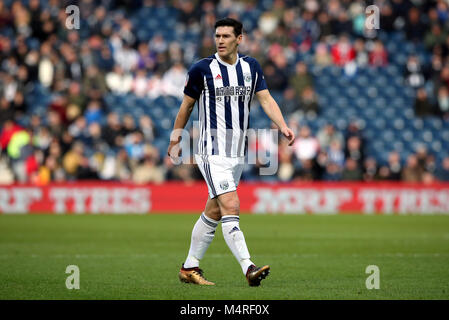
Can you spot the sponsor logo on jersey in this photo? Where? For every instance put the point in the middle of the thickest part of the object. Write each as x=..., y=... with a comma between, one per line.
x=233, y=91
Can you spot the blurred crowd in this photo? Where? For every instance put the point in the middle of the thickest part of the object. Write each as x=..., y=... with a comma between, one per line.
x=335, y=156
x=79, y=138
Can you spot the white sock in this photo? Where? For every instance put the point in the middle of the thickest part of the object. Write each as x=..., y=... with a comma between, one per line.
x=202, y=235
x=236, y=241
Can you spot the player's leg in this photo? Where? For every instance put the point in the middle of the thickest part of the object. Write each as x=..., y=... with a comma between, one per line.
x=230, y=222
x=212, y=209
x=203, y=233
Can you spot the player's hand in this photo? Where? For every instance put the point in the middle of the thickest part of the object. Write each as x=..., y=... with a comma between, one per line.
x=289, y=134
x=174, y=151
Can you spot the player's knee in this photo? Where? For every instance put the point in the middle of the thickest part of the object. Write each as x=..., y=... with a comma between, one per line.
x=213, y=213
x=231, y=207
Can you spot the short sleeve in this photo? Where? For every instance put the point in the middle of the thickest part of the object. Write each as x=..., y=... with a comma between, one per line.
x=260, y=84
x=194, y=82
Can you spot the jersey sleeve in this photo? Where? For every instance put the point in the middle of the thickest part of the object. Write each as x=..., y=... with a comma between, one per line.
x=194, y=82
x=260, y=83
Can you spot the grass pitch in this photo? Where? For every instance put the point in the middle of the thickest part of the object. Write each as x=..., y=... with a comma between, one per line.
x=138, y=257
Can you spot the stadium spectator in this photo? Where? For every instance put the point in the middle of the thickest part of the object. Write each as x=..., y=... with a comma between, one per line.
x=306, y=172
x=422, y=105
x=6, y=111
x=412, y=172
x=335, y=153
x=353, y=130
x=71, y=162
x=93, y=112
x=361, y=55
x=105, y=60
x=186, y=173
x=207, y=47
x=78, y=128
x=325, y=26
x=76, y=100
x=155, y=86
x=174, y=80
x=322, y=56
x=129, y=125
x=414, y=75
x=321, y=162
x=378, y=57
x=333, y=172
x=387, y=18
x=118, y=81
x=430, y=164
x=422, y=155
x=394, y=166
x=343, y=51
x=442, y=107
x=306, y=146
x=126, y=57
x=140, y=83
x=351, y=171
x=370, y=172
x=134, y=146
x=275, y=78
x=146, y=170
x=442, y=173
x=286, y=168
x=42, y=138
x=384, y=173
x=309, y=101
x=18, y=105
x=355, y=151
x=290, y=105
x=146, y=125
x=435, y=37
x=414, y=27
x=328, y=134
x=112, y=131
x=301, y=78
x=428, y=178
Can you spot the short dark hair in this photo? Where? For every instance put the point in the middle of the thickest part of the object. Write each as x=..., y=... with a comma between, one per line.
x=229, y=22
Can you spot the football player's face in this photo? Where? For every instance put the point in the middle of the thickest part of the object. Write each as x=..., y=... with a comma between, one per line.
x=226, y=41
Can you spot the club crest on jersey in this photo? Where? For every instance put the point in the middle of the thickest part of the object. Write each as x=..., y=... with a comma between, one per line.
x=224, y=185
x=247, y=77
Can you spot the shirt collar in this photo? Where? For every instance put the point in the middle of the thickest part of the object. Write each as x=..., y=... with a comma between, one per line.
x=227, y=64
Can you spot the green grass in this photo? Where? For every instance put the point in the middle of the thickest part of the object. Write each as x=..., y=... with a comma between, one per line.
x=138, y=257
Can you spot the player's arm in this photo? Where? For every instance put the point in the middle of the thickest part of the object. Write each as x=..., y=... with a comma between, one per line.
x=271, y=108
x=182, y=117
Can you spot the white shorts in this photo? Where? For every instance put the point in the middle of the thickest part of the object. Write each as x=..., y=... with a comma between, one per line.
x=222, y=174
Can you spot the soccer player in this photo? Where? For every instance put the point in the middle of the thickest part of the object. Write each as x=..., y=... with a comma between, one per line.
x=224, y=85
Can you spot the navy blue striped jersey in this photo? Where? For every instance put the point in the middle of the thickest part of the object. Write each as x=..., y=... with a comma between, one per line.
x=224, y=93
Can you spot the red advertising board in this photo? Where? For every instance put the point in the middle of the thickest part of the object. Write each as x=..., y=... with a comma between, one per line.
x=298, y=198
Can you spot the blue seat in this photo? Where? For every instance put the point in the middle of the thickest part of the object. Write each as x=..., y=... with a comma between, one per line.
x=418, y=124
x=342, y=102
x=387, y=135
x=436, y=146
x=144, y=35
x=407, y=135
x=398, y=146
